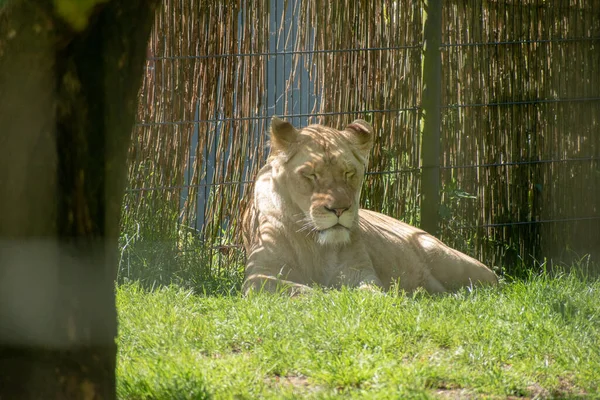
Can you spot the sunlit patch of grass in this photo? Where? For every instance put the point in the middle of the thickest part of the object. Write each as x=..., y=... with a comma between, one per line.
x=534, y=338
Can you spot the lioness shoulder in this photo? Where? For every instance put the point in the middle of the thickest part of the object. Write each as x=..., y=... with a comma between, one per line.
x=303, y=225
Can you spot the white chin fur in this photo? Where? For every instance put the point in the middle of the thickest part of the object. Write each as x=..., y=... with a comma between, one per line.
x=334, y=236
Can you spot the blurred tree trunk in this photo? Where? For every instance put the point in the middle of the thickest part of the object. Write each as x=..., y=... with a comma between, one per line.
x=70, y=72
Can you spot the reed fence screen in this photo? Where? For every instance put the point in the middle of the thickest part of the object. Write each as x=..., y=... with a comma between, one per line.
x=519, y=155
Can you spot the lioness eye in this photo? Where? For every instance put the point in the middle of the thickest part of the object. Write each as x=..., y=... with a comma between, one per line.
x=349, y=174
x=312, y=177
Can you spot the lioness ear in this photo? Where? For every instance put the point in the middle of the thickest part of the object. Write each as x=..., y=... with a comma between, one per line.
x=282, y=134
x=361, y=135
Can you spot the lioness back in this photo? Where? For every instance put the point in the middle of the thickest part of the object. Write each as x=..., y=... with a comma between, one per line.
x=304, y=226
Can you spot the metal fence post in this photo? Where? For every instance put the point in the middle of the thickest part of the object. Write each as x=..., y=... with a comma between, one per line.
x=430, y=116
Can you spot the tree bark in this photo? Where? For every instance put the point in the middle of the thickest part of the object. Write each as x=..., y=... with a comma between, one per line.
x=70, y=72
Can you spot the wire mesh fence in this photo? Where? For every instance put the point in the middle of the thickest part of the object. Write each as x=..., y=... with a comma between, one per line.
x=520, y=122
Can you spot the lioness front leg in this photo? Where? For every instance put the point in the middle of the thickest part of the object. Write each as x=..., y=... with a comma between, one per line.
x=272, y=284
x=363, y=278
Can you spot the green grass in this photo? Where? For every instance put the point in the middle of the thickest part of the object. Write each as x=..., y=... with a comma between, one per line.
x=178, y=256
x=525, y=339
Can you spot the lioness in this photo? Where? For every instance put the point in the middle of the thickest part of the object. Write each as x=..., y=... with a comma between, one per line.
x=304, y=226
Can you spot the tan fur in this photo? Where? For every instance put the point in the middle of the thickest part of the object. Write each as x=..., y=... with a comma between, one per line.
x=303, y=226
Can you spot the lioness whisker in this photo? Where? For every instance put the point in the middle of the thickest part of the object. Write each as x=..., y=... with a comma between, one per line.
x=307, y=227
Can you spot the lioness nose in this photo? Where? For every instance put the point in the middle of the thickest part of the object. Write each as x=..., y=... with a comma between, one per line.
x=337, y=211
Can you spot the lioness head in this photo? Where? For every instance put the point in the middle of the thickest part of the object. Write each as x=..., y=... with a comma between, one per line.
x=320, y=170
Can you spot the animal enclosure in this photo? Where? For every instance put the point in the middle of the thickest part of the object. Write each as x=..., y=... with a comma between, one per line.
x=518, y=166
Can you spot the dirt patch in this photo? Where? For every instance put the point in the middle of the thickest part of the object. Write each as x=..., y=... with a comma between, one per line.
x=534, y=392
x=566, y=388
x=455, y=394
x=299, y=381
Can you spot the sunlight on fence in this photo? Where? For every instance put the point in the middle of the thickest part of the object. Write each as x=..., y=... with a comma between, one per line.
x=520, y=120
